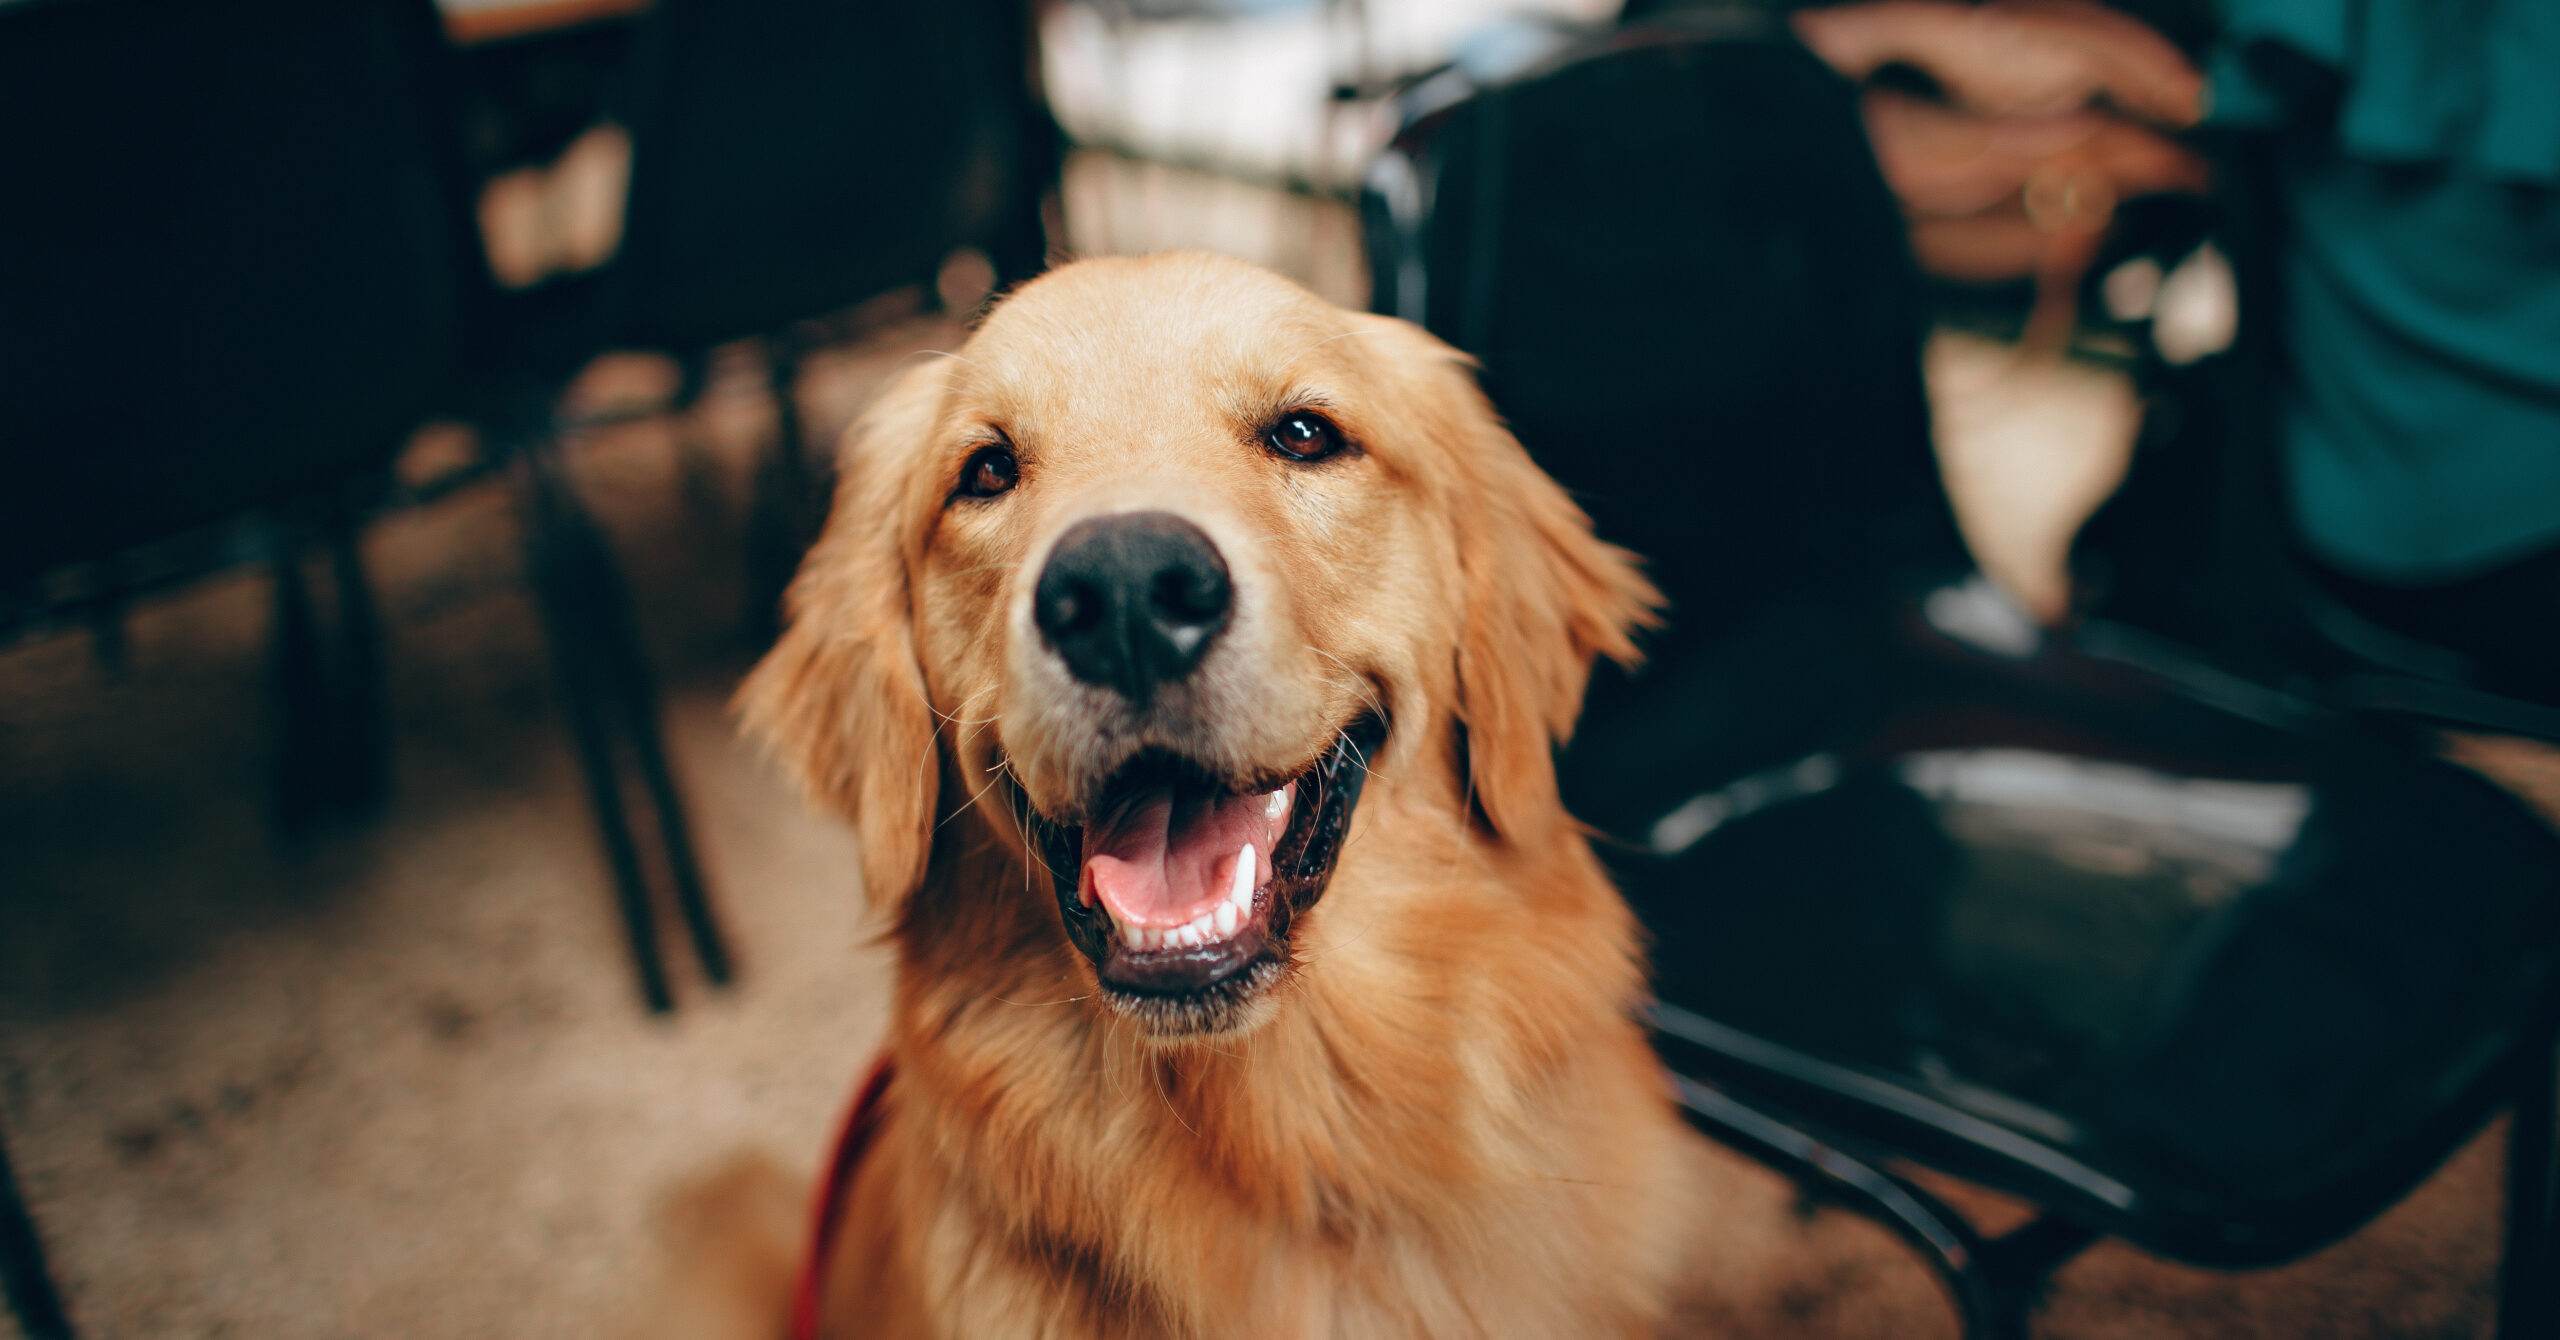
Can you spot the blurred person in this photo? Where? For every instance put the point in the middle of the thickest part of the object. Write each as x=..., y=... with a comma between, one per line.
x=2009, y=131
x=2034, y=119
x=2415, y=149
x=2415, y=152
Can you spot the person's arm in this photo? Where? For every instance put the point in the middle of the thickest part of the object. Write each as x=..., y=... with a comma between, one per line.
x=2014, y=58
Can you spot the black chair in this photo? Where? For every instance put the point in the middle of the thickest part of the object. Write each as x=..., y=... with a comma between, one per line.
x=789, y=160
x=228, y=291
x=23, y=1276
x=240, y=269
x=2180, y=959
x=230, y=286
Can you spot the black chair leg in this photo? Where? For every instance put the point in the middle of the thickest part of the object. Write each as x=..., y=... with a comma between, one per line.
x=605, y=682
x=363, y=726
x=298, y=685
x=789, y=502
x=29, y=1284
x=1942, y=1237
x=1994, y=1285
x=697, y=468
x=106, y=617
x=2529, y=1281
x=2018, y=1263
x=571, y=582
x=637, y=695
x=333, y=727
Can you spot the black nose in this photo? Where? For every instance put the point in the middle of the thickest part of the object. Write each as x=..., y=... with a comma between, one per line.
x=1132, y=601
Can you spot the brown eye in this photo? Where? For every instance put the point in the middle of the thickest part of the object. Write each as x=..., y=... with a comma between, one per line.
x=1302, y=436
x=990, y=472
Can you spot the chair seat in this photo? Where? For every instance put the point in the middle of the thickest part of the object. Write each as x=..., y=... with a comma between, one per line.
x=2183, y=960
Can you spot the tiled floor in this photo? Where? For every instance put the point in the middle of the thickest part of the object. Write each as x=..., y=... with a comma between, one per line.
x=395, y=1081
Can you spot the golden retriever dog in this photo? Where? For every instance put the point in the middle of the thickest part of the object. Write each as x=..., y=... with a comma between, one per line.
x=1190, y=656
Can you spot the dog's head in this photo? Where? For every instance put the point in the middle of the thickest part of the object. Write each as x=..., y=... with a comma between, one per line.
x=1152, y=577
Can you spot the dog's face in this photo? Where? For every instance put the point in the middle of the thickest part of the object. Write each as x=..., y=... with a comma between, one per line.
x=1154, y=576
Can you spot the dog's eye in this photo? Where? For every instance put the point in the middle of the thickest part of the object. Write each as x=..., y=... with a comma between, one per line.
x=990, y=472
x=1304, y=436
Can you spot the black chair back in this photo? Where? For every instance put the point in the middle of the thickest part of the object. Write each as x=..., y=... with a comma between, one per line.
x=1703, y=319
x=791, y=157
x=229, y=266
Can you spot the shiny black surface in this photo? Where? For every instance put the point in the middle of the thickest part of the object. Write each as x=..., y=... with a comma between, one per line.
x=230, y=273
x=2221, y=975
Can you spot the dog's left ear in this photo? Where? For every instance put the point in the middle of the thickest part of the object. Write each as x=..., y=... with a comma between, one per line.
x=1544, y=598
x=840, y=700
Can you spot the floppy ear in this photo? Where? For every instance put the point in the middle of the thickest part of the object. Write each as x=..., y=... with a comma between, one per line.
x=840, y=700
x=1543, y=598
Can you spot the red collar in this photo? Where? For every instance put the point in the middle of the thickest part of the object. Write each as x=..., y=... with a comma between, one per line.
x=861, y=1125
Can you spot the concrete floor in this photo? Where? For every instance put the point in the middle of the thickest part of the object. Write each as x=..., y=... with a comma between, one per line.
x=395, y=1080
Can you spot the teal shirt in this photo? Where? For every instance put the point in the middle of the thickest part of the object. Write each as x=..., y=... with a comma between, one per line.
x=2421, y=423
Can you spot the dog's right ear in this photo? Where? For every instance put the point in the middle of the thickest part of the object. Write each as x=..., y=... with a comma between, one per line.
x=840, y=700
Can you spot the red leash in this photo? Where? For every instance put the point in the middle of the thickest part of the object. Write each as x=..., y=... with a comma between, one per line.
x=860, y=1126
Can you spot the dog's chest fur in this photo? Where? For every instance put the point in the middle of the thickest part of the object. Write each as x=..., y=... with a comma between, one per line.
x=1430, y=1137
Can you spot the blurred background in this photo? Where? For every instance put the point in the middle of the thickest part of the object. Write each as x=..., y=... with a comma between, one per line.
x=414, y=412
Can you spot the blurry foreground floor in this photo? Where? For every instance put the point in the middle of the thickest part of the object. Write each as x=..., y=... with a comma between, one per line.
x=395, y=1081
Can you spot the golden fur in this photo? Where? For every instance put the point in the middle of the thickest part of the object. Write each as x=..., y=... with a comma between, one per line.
x=1443, y=1119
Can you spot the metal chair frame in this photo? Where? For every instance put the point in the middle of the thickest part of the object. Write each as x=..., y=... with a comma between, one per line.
x=1994, y=1284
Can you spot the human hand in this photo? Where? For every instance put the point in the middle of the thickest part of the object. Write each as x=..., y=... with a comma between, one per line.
x=1988, y=198
x=2014, y=58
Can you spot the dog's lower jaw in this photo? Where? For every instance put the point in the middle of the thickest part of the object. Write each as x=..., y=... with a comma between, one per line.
x=1232, y=1009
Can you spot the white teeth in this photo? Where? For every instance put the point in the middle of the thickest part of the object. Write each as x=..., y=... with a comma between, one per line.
x=1276, y=804
x=1211, y=927
x=1240, y=894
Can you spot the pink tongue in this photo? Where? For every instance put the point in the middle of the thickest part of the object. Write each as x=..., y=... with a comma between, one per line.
x=1164, y=860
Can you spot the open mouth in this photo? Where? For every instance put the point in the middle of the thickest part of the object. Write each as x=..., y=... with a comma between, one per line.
x=1182, y=888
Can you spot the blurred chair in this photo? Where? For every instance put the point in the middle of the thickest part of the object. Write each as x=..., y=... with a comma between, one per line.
x=2179, y=959
x=23, y=1277
x=237, y=272
x=228, y=291
x=792, y=158
x=230, y=286
x=523, y=92
x=788, y=160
